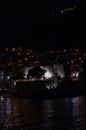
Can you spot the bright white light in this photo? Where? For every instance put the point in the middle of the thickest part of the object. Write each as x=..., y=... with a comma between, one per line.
x=8, y=77
x=77, y=74
x=62, y=11
x=73, y=74
x=48, y=74
x=25, y=76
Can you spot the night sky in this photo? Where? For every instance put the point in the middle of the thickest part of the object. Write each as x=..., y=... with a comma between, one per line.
x=41, y=25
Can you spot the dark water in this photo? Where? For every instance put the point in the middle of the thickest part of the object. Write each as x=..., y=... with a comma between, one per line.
x=55, y=114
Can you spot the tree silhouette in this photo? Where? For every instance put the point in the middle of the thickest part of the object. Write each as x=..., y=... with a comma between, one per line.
x=36, y=72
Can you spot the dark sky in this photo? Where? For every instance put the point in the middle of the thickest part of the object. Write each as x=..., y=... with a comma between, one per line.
x=31, y=25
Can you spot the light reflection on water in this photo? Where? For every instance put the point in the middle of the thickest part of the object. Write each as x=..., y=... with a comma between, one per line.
x=26, y=114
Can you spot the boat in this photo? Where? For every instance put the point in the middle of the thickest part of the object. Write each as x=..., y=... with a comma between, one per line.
x=37, y=82
x=34, y=88
x=48, y=85
x=48, y=88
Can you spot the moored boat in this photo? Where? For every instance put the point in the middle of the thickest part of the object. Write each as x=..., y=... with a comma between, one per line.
x=28, y=87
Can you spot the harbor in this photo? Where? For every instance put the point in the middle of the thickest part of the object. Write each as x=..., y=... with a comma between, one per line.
x=58, y=76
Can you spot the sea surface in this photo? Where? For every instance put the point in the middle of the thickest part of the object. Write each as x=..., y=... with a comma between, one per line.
x=67, y=113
